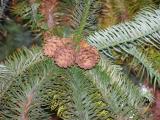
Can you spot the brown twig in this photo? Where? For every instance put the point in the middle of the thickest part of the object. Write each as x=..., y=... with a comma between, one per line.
x=26, y=106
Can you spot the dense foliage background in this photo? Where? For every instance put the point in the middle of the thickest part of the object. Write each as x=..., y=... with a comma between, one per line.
x=124, y=84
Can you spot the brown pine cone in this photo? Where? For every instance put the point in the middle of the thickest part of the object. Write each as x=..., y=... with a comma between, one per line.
x=68, y=42
x=65, y=56
x=87, y=57
x=51, y=45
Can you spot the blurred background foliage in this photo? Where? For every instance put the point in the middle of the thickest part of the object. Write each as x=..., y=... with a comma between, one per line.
x=13, y=34
x=18, y=29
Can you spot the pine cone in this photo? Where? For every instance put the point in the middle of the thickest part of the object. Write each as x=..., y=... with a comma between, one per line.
x=51, y=45
x=65, y=56
x=87, y=57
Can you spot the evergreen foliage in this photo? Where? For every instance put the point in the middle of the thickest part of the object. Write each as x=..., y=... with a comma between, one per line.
x=32, y=86
x=143, y=30
x=116, y=86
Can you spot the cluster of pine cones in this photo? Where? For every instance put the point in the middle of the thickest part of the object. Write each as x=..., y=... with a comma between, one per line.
x=66, y=53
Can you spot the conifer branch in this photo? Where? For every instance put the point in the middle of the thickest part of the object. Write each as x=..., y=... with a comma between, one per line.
x=26, y=97
x=153, y=75
x=84, y=19
x=78, y=99
x=144, y=29
x=123, y=97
